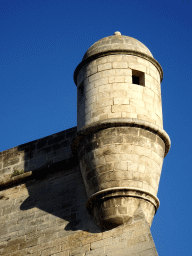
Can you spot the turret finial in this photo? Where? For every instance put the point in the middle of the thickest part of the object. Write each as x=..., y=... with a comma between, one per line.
x=117, y=33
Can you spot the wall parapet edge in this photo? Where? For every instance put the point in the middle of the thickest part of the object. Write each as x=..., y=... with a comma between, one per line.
x=36, y=158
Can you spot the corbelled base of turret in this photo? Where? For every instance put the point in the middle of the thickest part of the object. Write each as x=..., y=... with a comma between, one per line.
x=116, y=206
x=121, y=167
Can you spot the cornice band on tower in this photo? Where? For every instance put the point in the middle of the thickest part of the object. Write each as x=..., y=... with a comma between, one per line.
x=122, y=192
x=115, y=52
x=119, y=122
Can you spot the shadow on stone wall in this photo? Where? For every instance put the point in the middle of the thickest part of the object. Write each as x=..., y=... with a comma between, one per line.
x=53, y=180
x=59, y=191
x=52, y=177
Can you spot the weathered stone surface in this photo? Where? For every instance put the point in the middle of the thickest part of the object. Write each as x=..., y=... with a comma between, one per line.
x=113, y=73
x=119, y=166
x=44, y=196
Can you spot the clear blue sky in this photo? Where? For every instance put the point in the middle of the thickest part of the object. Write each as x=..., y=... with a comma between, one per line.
x=42, y=42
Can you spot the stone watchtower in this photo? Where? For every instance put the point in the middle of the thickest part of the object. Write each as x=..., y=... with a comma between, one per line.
x=120, y=139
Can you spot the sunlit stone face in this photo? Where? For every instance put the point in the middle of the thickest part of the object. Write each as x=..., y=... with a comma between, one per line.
x=122, y=143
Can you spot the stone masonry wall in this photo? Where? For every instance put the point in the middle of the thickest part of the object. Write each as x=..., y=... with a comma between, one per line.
x=36, y=154
x=105, y=90
x=42, y=197
x=122, y=157
x=40, y=215
x=42, y=206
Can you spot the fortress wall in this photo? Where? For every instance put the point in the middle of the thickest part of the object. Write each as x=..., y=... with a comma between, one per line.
x=36, y=154
x=36, y=215
x=42, y=197
x=42, y=211
x=37, y=222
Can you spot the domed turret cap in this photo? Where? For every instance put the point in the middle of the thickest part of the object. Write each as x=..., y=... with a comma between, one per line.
x=117, y=42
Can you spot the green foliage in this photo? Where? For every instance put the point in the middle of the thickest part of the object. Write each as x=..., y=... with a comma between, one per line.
x=16, y=173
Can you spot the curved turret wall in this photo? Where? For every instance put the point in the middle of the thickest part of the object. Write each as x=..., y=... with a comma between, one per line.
x=105, y=91
x=121, y=142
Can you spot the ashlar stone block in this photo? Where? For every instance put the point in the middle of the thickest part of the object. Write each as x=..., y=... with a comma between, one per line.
x=120, y=87
x=116, y=79
x=137, y=103
x=114, y=58
x=102, y=60
x=121, y=101
x=104, y=66
x=137, y=66
x=128, y=115
x=101, y=81
x=91, y=71
x=123, y=72
x=122, y=108
x=104, y=88
x=94, y=77
x=122, y=64
x=114, y=115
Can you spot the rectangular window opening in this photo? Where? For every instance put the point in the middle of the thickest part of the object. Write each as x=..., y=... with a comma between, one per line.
x=138, y=77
